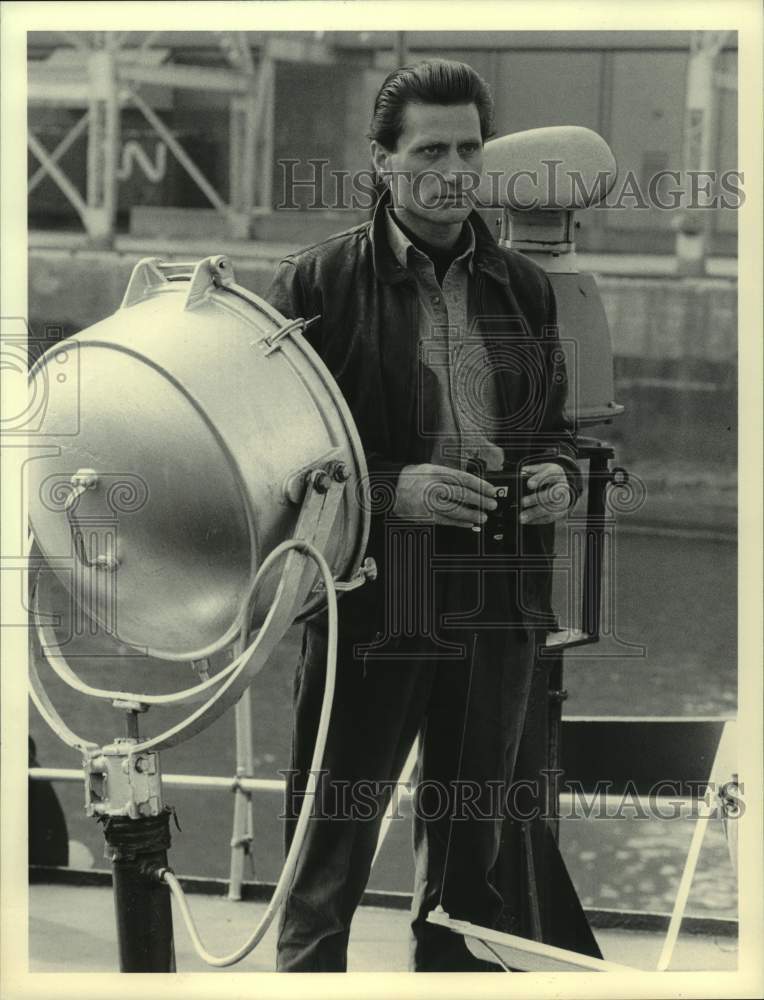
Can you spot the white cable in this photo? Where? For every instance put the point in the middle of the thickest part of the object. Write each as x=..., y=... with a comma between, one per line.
x=51, y=651
x=307, y=805
x=55, y=659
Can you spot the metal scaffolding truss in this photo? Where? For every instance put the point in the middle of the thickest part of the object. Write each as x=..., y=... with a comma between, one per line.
x=102, y=73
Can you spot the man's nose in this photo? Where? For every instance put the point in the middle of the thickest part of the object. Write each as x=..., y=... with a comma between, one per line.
x=453, y=168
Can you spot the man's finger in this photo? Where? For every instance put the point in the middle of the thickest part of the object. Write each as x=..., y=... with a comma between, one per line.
x=477, y=501
x=552, y=499
x=540, y=478
x=543, y=497
x=462, y=517
x=467, y=496
x=447, y=497
x=539, y=515
x=530, y=474
x=462, y=493
x=469, y=481
x=545, y=472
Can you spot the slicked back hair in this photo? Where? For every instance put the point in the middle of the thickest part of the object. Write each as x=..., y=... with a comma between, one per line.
x=432, y=81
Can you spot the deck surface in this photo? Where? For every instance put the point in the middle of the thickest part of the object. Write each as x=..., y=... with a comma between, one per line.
x=72, y=929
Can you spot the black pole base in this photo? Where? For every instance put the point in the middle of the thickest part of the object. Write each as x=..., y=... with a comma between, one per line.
x=137, y=849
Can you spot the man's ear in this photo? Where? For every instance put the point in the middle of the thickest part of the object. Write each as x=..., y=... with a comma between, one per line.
x=380, y=158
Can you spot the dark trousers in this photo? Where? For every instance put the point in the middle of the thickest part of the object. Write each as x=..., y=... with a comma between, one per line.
x=465, y=694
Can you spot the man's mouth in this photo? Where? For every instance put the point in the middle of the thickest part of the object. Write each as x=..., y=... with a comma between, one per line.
x=451, y=200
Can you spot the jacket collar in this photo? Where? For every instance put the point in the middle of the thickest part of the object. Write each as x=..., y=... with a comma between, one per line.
x=404, y=250
x=487, y=256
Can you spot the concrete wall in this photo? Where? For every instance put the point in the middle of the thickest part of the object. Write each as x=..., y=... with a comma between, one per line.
x=674, y=343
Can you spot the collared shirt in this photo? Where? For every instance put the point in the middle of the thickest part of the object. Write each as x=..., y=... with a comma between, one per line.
x=458, y=400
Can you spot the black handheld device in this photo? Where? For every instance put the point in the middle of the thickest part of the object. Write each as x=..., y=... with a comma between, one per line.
x=500, y=529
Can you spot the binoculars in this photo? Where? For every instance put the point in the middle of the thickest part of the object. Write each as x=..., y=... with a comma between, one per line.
x=500, y=529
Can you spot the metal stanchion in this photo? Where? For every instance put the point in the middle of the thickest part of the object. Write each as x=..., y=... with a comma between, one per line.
x=123, y=790
x=137, y=849
x=242, y=833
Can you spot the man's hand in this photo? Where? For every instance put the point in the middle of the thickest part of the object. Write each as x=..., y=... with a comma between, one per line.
x=549, y=494
x=443, y=495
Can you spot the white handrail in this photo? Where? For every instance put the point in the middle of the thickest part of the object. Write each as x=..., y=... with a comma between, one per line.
x=685, y=807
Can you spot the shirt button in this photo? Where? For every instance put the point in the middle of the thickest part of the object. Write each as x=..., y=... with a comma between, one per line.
x=436, y=299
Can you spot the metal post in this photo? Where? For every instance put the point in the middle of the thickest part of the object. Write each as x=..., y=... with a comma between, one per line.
x=237, y=138
x=103, y=143
x=245, y=116
x=243, y=121
x=598, y=480
x=123, y=790
x=697, y=154
x=137, y=849
x=243, y=824
x=268, y=92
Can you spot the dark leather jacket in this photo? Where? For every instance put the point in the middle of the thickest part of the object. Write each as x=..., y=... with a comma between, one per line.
x=367, y=337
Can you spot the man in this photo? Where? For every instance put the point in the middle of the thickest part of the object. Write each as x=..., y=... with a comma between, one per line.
x=445, y=348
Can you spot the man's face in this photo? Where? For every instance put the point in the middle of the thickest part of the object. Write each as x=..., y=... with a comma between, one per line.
x=437, y=162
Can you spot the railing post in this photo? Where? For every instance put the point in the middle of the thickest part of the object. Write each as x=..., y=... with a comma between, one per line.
x=103, y=144
x=241, y=837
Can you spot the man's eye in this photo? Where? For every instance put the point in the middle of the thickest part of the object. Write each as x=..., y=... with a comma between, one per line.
x=469, y=148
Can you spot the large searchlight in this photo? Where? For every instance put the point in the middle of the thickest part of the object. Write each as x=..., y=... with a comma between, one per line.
x=536, y=181
x=205, y=488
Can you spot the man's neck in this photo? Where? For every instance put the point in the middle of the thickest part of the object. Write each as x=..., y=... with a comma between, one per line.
x=436, y=235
